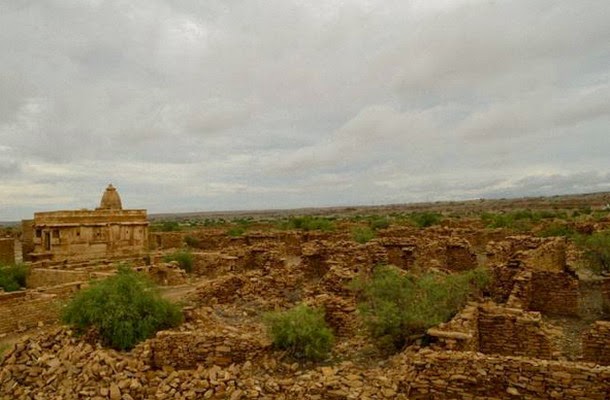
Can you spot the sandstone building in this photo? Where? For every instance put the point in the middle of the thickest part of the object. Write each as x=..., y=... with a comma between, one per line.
x=108, y=231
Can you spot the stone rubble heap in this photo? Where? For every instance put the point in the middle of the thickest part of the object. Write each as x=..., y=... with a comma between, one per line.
x=57, y=365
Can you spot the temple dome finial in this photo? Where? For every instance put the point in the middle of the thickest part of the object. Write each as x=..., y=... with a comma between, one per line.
x=111, y=199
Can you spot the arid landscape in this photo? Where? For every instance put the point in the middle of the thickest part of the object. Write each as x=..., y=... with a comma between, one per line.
x=316, y=200
x=536, y=326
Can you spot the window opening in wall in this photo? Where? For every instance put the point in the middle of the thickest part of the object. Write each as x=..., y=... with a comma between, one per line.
x=47, y=241
x=38, y=233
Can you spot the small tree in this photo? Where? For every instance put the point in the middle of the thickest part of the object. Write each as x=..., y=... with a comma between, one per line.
x=596, y=250
x=191, y=241
x=425, y=219
x=396, y=305
x=184, y=258
x=301, y=331
x=12, y=277
x=124, y=309
x=362, y=234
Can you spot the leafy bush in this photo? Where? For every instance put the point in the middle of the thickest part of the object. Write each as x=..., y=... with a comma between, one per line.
x=184, y=258
x=124, y=310
x=557, y=229
x=191, y=241
x=425, y=219
x=12, y=277
x=3, y=349
x=362, y=234
x=596, y=249
x=397, y=305
x=301, y=331
x=379, y=223
x=236, y=231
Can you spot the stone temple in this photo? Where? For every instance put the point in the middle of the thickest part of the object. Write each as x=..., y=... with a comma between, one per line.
x=107, y=232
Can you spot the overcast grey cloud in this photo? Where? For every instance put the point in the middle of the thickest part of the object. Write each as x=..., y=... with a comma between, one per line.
x=211, y=105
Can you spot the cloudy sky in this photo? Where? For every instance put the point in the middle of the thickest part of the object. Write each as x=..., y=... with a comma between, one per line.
x=191, y=105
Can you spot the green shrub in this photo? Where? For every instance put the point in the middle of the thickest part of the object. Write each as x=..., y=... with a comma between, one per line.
x=184, y=258
x=425, y=219
x=191, y=241
x=12, y=277
x=362, y=234
x=301, y=331
x=3, y=349
x=124, y=309
x=557, y=229
x=236, y=231
x=395, y=305
x=379, y=223
x=596, y=250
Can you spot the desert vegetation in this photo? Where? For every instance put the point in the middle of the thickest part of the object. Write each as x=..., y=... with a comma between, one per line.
x=123, y=309
x=339, y=304
x=12, y=277
x=183, y=257
x=398, y=306
x=301, y=331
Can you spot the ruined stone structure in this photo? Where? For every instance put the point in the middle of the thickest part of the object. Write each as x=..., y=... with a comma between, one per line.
x=7, y=251
x=106, y=232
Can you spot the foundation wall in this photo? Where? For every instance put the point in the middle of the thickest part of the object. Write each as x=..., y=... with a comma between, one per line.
x=20, y=311
x=42, y=277
x=166, y=240
x=596, y=343
x=188, y=350
x=554, y=293
x=467, y=375
x=514, y=332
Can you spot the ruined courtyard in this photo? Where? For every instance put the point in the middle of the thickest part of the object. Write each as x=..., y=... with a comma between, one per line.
x=540, y=329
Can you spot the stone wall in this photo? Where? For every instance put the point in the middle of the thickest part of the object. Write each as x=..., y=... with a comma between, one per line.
x=596, y=343
x=554, y=293
x=213, y=264
x=20, y=311
x=461, y=333
x=516, y=332
x=165, y=240
x=188, y=350
x=606, y=293
x=43, y=277
x=460, y=256
x=468, y=375
x=7, y=251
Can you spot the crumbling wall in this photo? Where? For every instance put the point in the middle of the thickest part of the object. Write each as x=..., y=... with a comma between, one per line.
x=606, y=294
x=514, y=332
x=20, y=311
x=224, y=289
x=459, y=255
x=213, y=264
x=165, y=274
x=400, y=250
x=550, y=255
x=461, y=333
x=596, y=343
x=189, y=350
x=467, y=375
x=554, y=293
x=44, y=277
x=7, y=251
x=165, y=240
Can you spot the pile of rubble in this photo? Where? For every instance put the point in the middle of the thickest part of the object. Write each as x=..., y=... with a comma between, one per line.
x=57, y=365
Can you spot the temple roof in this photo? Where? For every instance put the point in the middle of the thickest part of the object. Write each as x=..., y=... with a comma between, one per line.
x=111, y=199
